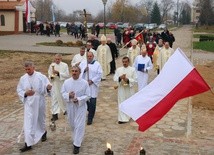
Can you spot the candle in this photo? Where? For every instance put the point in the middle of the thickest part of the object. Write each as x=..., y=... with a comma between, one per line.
x=109, y=151
x=142, y=151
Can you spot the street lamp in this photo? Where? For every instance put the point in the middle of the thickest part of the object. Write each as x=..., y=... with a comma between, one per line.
x=104, y=17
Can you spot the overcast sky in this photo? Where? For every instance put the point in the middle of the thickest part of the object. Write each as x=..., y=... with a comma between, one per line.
x=93, y=6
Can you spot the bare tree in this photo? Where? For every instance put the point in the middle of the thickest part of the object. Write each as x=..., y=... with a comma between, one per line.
x=166, y=5
x=147, y=4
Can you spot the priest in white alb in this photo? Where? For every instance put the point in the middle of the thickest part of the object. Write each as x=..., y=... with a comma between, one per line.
x=104, y=57
x=142, y=65
x=91, y=72
x=133, y=51
x=164, y=55
x=31, y=90
x=58, y=72
x=156, y=54
x=76, y=92
x=125, y=77
x=78, y=58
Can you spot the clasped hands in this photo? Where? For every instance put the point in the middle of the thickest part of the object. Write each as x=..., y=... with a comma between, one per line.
x=72, y=96
x=123, y=77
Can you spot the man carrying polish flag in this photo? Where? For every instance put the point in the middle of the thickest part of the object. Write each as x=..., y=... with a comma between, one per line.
x=178, y=79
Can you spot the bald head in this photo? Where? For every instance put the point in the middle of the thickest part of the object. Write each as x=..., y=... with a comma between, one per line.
x=144, y=52
x=58, y=58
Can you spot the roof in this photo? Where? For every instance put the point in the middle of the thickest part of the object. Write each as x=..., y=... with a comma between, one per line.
x=11, y=5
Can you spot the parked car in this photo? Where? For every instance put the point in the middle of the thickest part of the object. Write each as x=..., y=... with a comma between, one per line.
x=78, y=23
x=138, y=27
x=152, y=26
x=62, y=24
x=126, y=25
x=162, y=26
x=146, y=26
x=119, y=24
x=110, y=25
x=89, y=25
x=101, y=25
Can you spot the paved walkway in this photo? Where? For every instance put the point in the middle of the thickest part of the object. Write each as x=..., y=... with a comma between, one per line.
x=167, y=137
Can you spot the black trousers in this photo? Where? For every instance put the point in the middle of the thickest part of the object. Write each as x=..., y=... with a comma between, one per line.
x=91, y=108
x=112, y=66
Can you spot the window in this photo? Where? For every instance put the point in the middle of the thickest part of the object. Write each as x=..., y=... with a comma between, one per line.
x=2, y=20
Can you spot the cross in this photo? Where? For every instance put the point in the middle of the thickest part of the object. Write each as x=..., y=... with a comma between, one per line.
x=85, y=17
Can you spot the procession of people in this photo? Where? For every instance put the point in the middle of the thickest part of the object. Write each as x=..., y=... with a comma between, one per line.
x=76, y=95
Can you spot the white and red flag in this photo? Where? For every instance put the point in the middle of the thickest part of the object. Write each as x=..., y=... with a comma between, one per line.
x=27, y=11
x=178, y=79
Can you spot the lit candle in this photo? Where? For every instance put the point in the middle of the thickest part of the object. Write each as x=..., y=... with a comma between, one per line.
x=109, y=151
x=142, y=151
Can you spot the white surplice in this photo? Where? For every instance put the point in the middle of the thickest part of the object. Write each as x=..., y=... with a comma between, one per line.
x=95, y=74
x=164, y=56
x=104, y=57
x=125, y=91
x=78, y=58
x=76, y=111
x=142, y=77
x=34, y=106
x=57, y=81
x=132, y=54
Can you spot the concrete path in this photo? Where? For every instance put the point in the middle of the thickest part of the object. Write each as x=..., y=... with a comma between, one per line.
x=167, y=137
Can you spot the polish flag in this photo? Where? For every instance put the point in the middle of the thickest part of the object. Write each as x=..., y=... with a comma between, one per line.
x=178, y=79
x=27, y=13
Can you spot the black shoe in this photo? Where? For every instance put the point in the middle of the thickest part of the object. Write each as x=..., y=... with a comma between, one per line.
x=44, y=136
x=119, y=122
x=54, y=117
x=89, y=123
x=65, y=113
x=76, y=150
x=25, y=148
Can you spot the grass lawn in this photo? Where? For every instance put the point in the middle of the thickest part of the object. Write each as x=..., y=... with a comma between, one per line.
x=204, y=45
x=198, y=35
x=205, y=29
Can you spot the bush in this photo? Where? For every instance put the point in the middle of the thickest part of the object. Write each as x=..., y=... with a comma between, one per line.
x=79, y=43
x=70, y=43
x=206, y=38
x=59, y=42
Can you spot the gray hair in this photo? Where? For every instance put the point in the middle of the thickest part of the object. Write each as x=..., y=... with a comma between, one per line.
x=29, y=63
x=58, y=55
x=76, y=67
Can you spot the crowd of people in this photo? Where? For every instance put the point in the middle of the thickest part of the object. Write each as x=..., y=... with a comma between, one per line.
x=75, y=95
x=123, y=37
x=47, y=28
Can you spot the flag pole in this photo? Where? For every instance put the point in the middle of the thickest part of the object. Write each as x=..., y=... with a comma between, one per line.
x=189, y=105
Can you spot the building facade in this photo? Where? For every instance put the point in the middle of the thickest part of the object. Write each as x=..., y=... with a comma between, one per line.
x=12, y=16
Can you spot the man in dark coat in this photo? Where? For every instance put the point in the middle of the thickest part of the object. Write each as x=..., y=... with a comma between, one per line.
x=57, y=29
x=95, y=43
x=114, y=53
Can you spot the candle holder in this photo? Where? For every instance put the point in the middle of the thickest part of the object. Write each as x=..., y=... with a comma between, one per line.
x=53, y=75
x=142, y=151
x=109, y=151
